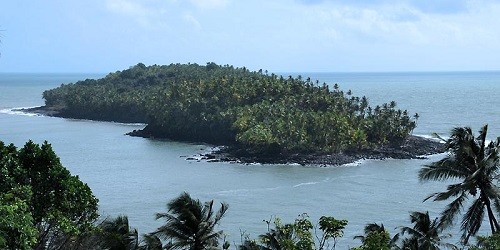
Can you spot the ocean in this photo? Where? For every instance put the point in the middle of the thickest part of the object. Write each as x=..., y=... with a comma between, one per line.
x=137, y=176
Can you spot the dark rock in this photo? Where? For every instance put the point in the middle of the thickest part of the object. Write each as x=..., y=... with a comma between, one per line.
x=415, y=147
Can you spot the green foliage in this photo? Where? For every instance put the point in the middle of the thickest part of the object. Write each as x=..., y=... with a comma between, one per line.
x=151, y=242
x=227, y=105
x=376, y=237
x=491, y=242
x=16, y=223
x=191, y=224
x=332, y=229
x=116, y=234
x=376, y=241
x=425, y=233
x=475, y=164
x=59, y=205
x=289, y=236
x=297, y=236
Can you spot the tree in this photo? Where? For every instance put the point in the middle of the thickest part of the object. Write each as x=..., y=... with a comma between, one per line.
x=297, y=235
x=16, y=223
x=62, y=208
x=475, y=164
x=376, y=237
x=491, y=242
x=191, y=224
x=288, y=236
x=116, y=234
x=233, y=106
x=425, y=233
x=332, y=229
x=151, y=242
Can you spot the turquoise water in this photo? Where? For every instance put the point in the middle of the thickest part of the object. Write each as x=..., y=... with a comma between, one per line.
x=137, y=176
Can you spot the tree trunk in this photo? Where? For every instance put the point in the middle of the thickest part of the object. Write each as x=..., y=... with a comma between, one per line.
x=491, y=216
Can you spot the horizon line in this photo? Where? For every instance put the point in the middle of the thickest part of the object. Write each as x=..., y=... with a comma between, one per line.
x=286, y=72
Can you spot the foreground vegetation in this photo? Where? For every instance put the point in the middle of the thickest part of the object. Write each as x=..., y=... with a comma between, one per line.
x=234, y=106
x=42, y=206
x=41, y=203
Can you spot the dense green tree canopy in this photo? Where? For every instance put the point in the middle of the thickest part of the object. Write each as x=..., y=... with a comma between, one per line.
x=38, y=191
x=491, y=242
x=16, y=223
x=227, y=105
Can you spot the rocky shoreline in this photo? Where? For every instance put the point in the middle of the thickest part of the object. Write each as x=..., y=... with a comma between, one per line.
x=415, y=147
x=43, y=110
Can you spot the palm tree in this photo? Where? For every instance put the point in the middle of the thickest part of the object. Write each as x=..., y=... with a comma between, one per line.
x=250, y=245
x=476, y=165
x=425, y=234
x=150, y=242
x=190, y=224
x=370, y=228
x=277, y=238
x=376, y=231
x=116, y=234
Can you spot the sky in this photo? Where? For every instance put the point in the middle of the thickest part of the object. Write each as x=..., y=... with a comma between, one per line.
x=100, y=36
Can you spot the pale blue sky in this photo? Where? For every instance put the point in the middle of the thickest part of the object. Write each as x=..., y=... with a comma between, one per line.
x=277, y=35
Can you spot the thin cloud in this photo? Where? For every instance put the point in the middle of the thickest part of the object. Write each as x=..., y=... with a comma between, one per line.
x=280, y=35
x=406, y=24
x=192, y=21
x=127, y=7
x=209, y=4
x=148, y=16
x=426, y=6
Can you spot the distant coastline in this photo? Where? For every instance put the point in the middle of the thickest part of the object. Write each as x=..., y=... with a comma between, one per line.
x=257, y=116
x=42, y=110
x=415, y=147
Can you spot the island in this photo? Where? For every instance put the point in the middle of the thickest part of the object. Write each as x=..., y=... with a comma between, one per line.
x=253, y=115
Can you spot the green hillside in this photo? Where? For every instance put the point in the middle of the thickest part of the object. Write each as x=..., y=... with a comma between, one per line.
x=234, y=106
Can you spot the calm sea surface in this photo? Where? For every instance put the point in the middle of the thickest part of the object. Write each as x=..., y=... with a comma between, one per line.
x=136, y=176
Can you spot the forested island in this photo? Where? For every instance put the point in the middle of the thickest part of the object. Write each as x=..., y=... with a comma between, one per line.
x=260, y=117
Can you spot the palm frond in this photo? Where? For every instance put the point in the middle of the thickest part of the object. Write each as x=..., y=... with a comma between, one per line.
x=369, y=228
x=446, y=168
x=222, y=211
x=374, y=227
x=437, y=136
x=410, y=231
x=472, y=220
x=451, y=210
x=207, y=211
x=491, y=162
x=477, y=165
x=496, y=203
x=452, y=191
x=482, y=140
x=166, y=232
x=425, y=233
x=430, y=196
x=150, y=242
x=190, y=224
x=493, y=193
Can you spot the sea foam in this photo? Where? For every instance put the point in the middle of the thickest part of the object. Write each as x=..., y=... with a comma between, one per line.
x=18, y=111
